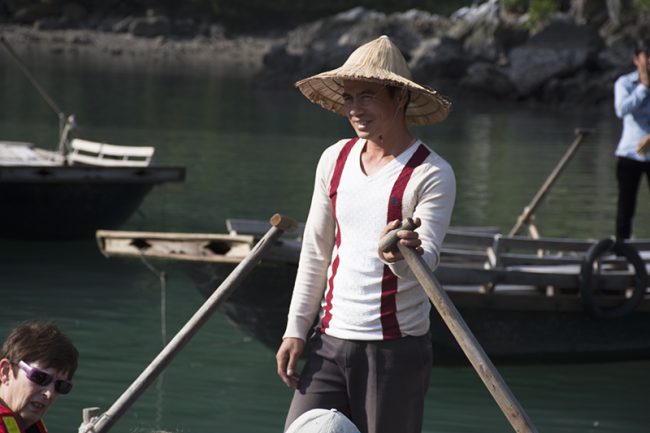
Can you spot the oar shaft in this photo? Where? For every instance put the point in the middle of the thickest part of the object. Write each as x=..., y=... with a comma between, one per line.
x=488, y=373
x=106, y=420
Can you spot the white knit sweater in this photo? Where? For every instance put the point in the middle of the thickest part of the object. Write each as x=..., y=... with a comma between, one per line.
x=345, y=282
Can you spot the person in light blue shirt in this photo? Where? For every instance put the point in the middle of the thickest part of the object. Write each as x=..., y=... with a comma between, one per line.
x=632, y=104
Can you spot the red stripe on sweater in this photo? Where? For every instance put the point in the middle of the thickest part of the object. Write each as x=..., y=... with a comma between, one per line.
x=334, y=186
x=388, y=309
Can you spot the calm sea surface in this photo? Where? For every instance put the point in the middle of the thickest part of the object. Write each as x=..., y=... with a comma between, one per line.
x=251, y=153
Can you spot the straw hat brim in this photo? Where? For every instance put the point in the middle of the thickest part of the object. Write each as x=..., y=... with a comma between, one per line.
x=425, y=106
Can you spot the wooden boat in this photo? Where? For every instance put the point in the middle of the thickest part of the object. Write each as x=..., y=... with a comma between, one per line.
x=524, y=299
x=81, y=186
x=48, y=195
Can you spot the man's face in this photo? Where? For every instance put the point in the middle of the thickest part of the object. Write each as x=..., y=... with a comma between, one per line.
x=370, y=109
x=26, y=399
x=642, y=60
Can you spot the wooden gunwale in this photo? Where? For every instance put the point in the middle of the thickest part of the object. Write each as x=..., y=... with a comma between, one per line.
x=460, y=264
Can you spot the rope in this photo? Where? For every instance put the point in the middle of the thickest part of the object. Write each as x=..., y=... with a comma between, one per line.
x=162, y=278
x=33, y=81
x=88, y=426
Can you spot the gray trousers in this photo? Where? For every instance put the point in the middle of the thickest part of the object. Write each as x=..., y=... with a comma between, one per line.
x=379, y=385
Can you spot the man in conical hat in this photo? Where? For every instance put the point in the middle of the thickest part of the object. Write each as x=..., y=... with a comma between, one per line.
x=370, y=351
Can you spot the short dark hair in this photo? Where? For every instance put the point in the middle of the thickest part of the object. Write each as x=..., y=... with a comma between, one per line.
x=43, y=342
x=642, y=46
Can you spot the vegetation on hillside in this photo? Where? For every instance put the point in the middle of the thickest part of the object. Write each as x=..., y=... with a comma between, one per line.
x=264, y=15
x=243, y=13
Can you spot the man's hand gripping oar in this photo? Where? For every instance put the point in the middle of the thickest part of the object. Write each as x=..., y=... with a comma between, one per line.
x=452, y=318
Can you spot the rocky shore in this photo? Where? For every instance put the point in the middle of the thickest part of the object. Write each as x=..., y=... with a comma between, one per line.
x=225, y=55
x=480, y=49
x=572, y=60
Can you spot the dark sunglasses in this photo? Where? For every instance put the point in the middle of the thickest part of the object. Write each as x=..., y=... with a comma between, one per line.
x=43, y=378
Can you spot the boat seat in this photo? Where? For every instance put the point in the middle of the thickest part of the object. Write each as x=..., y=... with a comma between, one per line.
x=520, y=250
x=86, y=152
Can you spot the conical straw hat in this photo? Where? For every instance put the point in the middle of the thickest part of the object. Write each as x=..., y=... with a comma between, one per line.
x=382, y=62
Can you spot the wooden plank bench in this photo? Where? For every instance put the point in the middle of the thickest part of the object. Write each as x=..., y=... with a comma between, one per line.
x=501, y=252
x=551, y=264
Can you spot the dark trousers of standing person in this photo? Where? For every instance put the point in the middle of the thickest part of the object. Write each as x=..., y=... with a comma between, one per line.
x=379, y=385
x=628, y=175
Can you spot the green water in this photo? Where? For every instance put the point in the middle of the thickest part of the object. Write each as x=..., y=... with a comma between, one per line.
x=250, y=153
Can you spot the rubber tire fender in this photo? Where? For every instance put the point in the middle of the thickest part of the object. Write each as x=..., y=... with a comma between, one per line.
x=587, y=273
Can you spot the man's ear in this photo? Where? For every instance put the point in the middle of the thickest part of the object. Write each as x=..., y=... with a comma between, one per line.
x=6, y=372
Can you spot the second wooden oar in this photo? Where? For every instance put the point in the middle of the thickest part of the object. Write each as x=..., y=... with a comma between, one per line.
x=104, y=422
x=461, y=332
x=529, y=211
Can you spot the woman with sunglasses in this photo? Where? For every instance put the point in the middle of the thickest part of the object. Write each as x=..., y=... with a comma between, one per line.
x=38, y=362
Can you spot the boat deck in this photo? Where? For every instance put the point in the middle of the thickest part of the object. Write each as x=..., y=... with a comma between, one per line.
x=18, y=153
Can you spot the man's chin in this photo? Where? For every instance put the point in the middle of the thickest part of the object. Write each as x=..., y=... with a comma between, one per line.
x=366, y=135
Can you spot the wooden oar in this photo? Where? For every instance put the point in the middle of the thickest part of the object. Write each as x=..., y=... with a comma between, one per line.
x=529, y=211
x=105, y=421
x=452, y=318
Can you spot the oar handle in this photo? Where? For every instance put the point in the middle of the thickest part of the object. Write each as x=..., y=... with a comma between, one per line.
x=490, y=376
x=283, y=223
x=390, y=239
